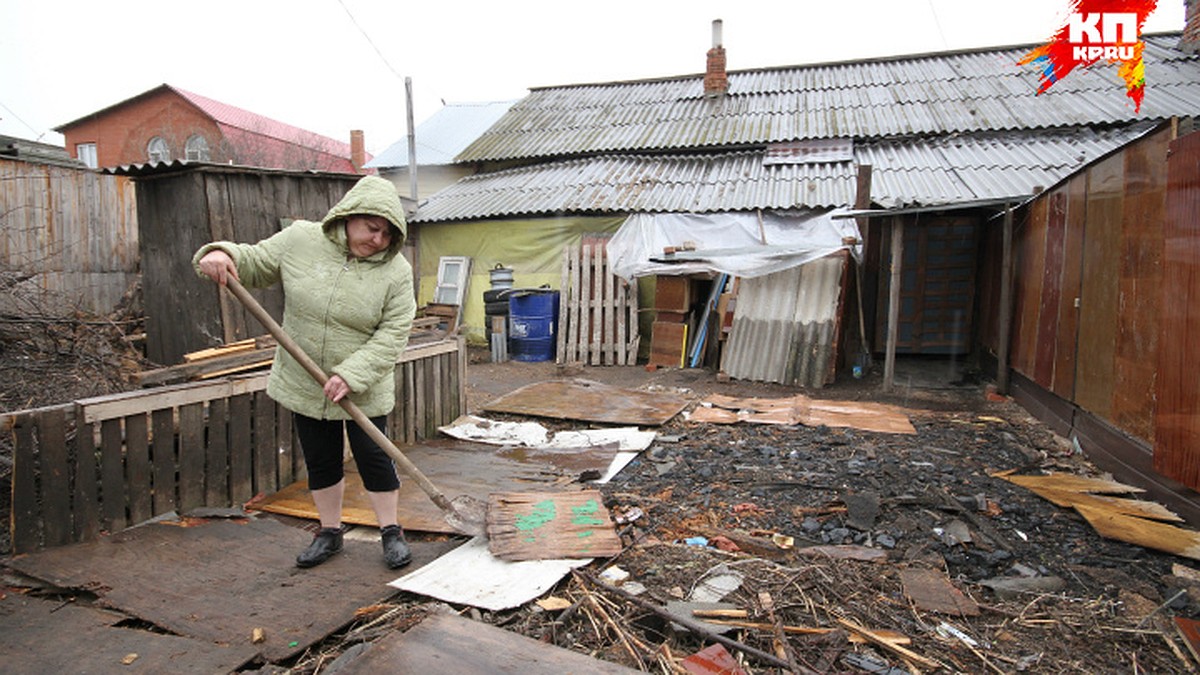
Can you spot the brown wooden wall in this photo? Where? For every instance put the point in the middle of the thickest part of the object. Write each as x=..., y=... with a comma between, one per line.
x=108, y=463
x=1177, y=414
x=180, y=212
x=73, y=230
x=1088, y=286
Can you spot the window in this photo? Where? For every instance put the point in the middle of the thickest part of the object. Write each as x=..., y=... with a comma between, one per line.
x=157, y=150
x=86, y=153
x=196, y=149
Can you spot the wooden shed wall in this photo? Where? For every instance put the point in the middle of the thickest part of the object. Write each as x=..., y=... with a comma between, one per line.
x=181, y=212
x=1177, y=413
x=1087, y=295
x=74, y=230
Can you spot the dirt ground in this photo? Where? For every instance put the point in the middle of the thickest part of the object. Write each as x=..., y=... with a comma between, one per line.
x=830, y=540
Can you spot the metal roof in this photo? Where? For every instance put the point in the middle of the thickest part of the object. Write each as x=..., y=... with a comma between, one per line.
x=932, y=94
x=445, y=134
x=946, y=170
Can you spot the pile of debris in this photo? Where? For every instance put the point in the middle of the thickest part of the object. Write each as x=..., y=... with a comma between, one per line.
x=814, y=549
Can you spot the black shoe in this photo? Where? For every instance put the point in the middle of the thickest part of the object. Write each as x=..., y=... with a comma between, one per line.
x=325, y=543
x=395, y=549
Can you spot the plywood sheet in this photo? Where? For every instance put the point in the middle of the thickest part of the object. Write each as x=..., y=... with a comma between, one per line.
x=43, y=636
x=219, y=580
x=549, y=525
x=445, y=643
x=800, y=409
x=455, y=467
x=589, y=401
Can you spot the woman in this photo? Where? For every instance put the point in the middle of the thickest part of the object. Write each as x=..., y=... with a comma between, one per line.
x=348, y=303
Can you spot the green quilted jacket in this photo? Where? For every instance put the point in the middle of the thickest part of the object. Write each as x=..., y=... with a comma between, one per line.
x=351, y=315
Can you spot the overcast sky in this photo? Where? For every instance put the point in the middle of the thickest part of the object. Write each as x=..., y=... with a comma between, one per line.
x=330, y=66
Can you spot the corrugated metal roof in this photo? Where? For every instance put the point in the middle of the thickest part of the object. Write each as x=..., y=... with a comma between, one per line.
x=445, y=134
x=904, y=172
x=953, y=92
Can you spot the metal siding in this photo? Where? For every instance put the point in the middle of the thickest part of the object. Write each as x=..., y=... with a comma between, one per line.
x=785, y=325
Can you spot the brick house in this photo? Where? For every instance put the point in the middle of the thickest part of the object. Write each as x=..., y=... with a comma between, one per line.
x=167, y=123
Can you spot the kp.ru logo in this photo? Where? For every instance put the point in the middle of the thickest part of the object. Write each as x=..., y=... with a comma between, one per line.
x=1095, y=30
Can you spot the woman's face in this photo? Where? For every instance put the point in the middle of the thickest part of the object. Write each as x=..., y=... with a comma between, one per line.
x=367, y=235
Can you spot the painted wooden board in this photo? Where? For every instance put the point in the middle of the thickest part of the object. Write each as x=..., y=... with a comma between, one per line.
x=218, y=580
x=49, y=636
x=447, y=643
x=589, y=401
x=550, y=525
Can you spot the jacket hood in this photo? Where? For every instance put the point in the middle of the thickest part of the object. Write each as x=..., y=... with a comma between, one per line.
x=372, y=196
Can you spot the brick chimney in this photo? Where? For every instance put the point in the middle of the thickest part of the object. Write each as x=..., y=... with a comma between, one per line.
x=1189, y=42
x=715, y=81
x=358, y=150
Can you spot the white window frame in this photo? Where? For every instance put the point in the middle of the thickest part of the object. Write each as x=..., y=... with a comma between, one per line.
x=157, y=150
x=196, y=149
x=453, y=272
x=86, y=153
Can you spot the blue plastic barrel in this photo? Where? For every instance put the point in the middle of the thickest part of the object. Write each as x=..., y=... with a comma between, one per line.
x=532, y=316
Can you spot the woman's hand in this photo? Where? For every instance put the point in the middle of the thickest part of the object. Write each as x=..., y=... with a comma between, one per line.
x=336, y=388
x=217, y=265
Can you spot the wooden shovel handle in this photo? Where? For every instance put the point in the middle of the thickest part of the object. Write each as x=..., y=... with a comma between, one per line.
x=319, y=375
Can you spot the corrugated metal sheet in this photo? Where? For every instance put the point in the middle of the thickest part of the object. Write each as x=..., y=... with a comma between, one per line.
x=785, y=325
x=911, y=172
x=445, y=134
x=955, y=92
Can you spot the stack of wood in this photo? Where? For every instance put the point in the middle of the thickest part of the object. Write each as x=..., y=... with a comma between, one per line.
x=689, y=325
x=235, y=357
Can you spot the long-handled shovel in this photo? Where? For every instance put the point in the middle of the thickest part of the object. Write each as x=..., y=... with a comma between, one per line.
x=465, y=514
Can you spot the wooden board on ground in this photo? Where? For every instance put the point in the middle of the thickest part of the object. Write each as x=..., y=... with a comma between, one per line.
x=218, y=580
x=550, y=525
x=446, y=643
x=44, y=636
x=455, y=467
x=801, y=409
x=589, y=401
x=931, y=591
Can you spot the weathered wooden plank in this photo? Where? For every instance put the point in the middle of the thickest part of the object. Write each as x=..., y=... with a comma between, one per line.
x=437, y=393
x=574, y=305
x=216, y=454
x=241, y=449
x=550, y=525
x=287, y=454
x=1027, y=280
x=120, y=405
x=1100, y=297
x=86, y=504
x=1072, y=278
x=634, y=328
x=410, y=401
x=265, y=479
x=114, y=493
x=622, y=331
x=26, y=525
x=192, y=480
x=585, y=303
x=163, y=461
x=137, y=468
x=564, y=305
x=597, y=295
x=54, y=474
x=1051, y=293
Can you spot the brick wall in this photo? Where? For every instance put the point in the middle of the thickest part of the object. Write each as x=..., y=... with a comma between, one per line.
x=122, y=134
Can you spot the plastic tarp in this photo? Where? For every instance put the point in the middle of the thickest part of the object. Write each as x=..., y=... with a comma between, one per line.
x=730, y=243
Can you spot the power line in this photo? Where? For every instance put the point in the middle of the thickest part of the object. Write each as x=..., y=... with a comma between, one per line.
x=938, y=24
x=18, y=118
x=369, y=40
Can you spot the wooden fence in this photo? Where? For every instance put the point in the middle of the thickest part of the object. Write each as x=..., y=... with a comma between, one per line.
x=104, y=464
x=598, y=310
x=72, y=231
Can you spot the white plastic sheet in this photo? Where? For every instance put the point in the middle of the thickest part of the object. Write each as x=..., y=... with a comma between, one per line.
x=730, y=243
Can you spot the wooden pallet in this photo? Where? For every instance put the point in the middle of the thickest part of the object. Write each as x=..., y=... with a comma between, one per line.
x=598, y=317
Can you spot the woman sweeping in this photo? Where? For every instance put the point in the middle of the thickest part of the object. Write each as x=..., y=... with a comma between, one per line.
x=348, y=302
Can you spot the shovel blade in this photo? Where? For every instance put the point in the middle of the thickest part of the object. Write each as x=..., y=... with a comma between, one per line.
x=467, y=515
